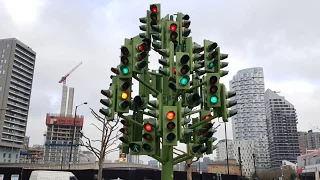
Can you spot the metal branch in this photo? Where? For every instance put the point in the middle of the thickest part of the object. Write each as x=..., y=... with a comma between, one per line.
x=179, y=150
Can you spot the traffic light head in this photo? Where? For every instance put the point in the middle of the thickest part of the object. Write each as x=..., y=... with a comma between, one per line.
x=149, y=136
x=212, y=90
x=183, y=65
x=210, y=54
x=124, y=95
x=170, y=125
x=125, y=63
x=154, y=16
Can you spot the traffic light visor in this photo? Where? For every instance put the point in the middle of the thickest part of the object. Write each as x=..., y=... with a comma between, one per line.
x=125, y=123
x=125, y=86
x=124, y=50
x=213, y=80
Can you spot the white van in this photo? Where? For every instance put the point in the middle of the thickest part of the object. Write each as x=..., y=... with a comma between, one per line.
x=52, y=175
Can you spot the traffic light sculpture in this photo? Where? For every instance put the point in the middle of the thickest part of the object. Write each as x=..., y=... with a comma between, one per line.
x=187, y=83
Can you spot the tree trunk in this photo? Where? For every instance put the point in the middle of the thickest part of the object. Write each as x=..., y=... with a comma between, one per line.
x=100, y=170
x=189, y=170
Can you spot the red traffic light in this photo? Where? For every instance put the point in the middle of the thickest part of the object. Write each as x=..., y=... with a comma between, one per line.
x=207, y=116
x=174, y=70
x=170, y=115
x=148, y=127
x=173, y=27
x=153, y=8
x=140, y=47
x=124, y=50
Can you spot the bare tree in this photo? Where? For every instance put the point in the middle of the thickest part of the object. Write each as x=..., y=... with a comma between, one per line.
x=188, y=168
x=108, y=139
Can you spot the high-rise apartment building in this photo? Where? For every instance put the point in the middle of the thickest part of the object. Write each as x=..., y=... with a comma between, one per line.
x=59, y=136
x=247, y=150
x=17, y=62
x=282, y=129
x=250, y=122
x=309, y=141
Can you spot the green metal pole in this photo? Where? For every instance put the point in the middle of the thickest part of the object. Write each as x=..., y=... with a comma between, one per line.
x=167, y=166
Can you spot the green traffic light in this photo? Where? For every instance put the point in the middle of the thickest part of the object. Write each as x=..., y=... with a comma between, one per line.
x=213, y=99
x=184, y=80
x=124, y=70
x=211, y=65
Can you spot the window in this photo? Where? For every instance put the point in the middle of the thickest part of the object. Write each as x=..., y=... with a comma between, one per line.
x=4, y=71
x=2, y=56
x=73, y=178
x=9, y=155
x=5, y=61
x=4, y=155
x=7, y=45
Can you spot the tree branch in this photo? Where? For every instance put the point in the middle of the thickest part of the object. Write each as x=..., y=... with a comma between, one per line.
x=96, y=126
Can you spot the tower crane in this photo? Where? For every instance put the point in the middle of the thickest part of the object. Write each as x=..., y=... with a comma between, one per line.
x=64, y=78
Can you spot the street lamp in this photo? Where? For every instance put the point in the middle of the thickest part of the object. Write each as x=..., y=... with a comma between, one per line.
x=255, y=168
x=74, y=132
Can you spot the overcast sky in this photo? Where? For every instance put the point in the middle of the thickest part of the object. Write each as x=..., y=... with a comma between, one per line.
x=282, y=36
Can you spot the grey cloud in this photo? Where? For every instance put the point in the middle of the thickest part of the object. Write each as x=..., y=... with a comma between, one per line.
x=270, y=34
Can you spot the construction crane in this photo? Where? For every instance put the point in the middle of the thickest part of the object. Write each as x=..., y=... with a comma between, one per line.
x=64, y=78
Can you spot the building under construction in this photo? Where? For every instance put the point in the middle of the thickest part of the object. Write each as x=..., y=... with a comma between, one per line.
x=60, y=130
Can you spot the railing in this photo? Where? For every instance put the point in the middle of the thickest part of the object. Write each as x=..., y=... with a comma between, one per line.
x=77, y=166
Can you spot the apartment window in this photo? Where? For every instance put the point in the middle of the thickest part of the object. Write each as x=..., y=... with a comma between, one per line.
x=9, y=155
x=4, y=155
x=4, y=71
x=3, y=50
x=5, y=61
x=8, y=45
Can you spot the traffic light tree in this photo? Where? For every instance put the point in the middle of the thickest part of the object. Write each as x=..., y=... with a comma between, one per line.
x=188, y=83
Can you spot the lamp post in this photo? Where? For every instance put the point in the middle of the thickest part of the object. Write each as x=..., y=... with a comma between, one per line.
x=74, y=132
x=254, y=164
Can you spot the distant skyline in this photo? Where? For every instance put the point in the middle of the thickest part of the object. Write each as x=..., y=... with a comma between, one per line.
x=63, y=33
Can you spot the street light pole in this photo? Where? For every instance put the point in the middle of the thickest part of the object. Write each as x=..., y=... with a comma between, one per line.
x=254, y=164
x=74, y=132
